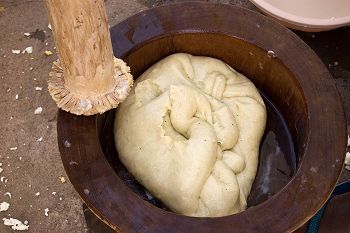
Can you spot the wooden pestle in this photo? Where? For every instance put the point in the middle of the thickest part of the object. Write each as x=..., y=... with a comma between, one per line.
x=86, y=79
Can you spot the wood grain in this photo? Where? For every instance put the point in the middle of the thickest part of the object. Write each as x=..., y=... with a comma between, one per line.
x=87, y=79
x=296, y=81
x=81, y=34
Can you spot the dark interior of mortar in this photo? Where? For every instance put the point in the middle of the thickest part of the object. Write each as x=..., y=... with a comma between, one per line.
x=278, y=154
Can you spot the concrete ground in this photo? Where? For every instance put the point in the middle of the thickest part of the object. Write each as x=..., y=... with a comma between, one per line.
x=33, y=174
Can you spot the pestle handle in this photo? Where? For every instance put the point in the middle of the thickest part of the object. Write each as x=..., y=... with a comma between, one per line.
x=87, y=79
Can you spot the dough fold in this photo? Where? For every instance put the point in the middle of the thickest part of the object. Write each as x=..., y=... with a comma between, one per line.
x=190, y=132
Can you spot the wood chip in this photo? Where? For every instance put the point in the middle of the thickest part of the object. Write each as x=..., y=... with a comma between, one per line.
x=8, y=194
x=28, y=50
x=16, y=51
x=63, y=180
x=15, y=224
x=38, y=111
x=48, y=53
x=4, y=206
x=46, y=212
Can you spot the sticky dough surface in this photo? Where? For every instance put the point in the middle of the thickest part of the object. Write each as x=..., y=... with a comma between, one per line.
x=190, y=132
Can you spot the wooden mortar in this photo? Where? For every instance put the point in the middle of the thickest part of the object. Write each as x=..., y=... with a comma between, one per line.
x=86, y=79
x=295, y=79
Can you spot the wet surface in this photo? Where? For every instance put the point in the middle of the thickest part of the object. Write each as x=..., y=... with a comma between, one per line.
x=277, y=157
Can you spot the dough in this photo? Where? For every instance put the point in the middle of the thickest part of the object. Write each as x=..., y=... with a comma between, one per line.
x=190, y=132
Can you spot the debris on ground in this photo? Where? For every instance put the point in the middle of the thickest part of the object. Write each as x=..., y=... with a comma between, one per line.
x=62, y=179
x=48, y=53
x=40, y=139
x=38, y=88
x=16, y=51
x=8, y=194
x=37, y=194
x=46, y=212
x=28, y=50
x=16, y=224
x=38, y=111
x=4, y=206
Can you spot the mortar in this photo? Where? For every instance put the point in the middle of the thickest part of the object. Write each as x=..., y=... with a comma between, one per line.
x=304, y=113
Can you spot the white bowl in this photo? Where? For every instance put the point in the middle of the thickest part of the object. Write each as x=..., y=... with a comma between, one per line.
x=307, y=15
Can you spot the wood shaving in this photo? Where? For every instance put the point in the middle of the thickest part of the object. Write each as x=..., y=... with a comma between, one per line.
x=62, y=179
x=28, y=50
x=46, y=212
x=38, y=110
x=4, y=206
x=48, y=53
x=15, y=224
x=16, y=51
x=8, y=194
x=13, y=148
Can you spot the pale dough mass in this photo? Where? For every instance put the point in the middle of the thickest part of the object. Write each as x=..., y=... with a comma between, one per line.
x=190, y=132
